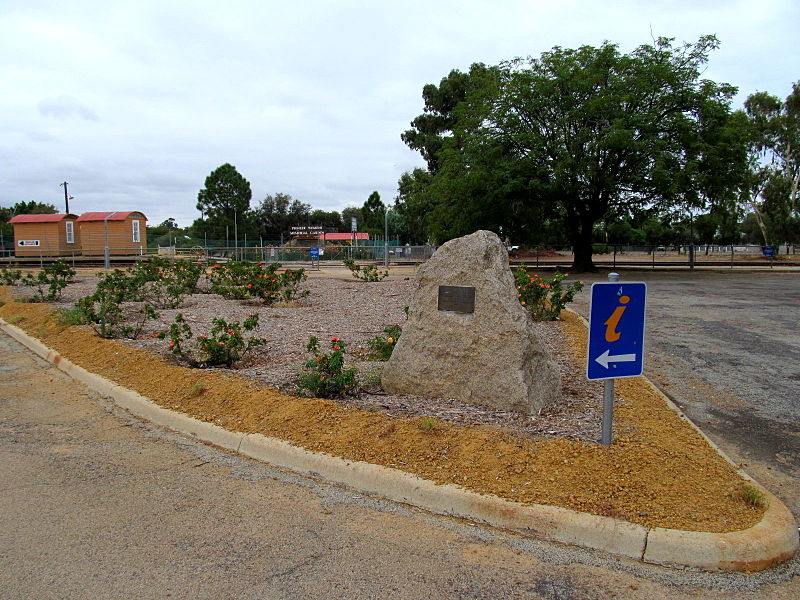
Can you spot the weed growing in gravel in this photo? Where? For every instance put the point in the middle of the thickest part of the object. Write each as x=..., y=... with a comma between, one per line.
x=224, y=345
x=324, y=375
x=365, y=273
x=753, y=496
x=371, y=378
x=381, y=346
x=544, y=298
x=70, y=316
x=428, y=424
x=16, y=319
x=197, y=389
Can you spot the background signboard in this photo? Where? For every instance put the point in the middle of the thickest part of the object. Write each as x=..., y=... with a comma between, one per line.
x=616, y=330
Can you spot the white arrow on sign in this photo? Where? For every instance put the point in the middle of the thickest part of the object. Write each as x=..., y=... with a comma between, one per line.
x=604, y=359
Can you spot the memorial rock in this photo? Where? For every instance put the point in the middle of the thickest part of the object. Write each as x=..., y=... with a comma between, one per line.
x=467, y=336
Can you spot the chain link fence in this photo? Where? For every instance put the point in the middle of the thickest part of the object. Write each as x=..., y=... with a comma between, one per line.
x=561, y=257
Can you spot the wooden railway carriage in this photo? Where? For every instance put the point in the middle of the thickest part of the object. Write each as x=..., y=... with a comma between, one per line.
x=46, y=235
x=123, y=231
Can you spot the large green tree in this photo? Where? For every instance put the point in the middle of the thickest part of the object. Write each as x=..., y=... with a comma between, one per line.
x=576, y=135
x=225, y=203
x=329, y=220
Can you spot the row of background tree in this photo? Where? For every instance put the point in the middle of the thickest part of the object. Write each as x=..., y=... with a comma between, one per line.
x=576, y=147
x=226, y=212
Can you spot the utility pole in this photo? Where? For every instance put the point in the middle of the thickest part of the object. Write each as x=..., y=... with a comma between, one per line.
x=66, y=194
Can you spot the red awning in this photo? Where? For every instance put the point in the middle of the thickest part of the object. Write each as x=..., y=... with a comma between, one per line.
x=344, y=236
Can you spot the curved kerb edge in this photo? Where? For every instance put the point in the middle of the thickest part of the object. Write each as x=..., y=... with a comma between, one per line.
x=771, y=541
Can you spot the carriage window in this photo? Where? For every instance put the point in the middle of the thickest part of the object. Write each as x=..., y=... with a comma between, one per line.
x=70, y=232
x=136, y=237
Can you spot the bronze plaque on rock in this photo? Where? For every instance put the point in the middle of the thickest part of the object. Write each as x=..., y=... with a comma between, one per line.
x=458, y=299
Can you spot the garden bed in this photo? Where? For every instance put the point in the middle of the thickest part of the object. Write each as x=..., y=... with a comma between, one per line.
x=660, y=472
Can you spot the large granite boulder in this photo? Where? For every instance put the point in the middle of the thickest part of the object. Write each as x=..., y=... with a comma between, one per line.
x=468, y=337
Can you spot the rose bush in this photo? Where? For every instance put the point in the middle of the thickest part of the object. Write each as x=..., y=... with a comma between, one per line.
x=544, y=298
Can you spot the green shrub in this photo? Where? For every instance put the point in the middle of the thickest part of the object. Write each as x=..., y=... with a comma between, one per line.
x=381, y=346
x=324, y=375
x=240, y=280
x=10, y=276
x=365, y=273
x=148, y=285
x=50, y=281
x=290, y=281
x=224, y=345
x=104, y=308
x=544, y=298
x=165, y=283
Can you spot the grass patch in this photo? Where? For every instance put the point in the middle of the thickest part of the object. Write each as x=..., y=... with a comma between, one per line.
x=428, y=424
x=753, y=496
x=70, y=316
x=372, y=378
x=197, y=389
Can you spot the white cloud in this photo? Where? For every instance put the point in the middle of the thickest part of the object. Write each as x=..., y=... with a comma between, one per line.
x=65, y=107
x=135, y=103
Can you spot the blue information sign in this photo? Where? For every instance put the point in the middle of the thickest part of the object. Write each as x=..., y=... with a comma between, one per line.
x=313, y=253
x=616, y=330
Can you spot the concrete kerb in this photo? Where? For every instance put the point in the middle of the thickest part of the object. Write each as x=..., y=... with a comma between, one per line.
x=771, y=541
x=549, y=522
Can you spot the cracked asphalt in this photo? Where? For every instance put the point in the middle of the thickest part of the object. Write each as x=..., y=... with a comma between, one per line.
x=96, y=504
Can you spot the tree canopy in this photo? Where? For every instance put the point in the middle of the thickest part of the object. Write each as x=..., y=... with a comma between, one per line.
x=567, y=139
x=278, y=213
x=775, y=162
x=224, y=201
x=372, y=215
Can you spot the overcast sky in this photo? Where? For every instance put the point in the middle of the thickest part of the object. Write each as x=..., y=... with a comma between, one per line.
x=134, y=103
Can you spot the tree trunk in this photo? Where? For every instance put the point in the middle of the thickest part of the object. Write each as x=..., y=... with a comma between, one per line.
x=580, y=227
x=582, y=260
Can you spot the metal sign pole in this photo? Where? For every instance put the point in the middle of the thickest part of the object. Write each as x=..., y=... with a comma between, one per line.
x=608, y=395
x=616, y=338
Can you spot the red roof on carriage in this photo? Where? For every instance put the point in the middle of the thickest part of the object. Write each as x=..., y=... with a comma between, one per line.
x=42, y=218
x=111, y=216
